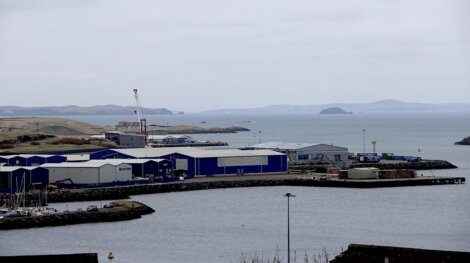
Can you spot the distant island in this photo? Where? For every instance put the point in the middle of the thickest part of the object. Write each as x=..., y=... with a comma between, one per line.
x=464, y=141
x=383, y=106
x=334, y=110
x=77, y=110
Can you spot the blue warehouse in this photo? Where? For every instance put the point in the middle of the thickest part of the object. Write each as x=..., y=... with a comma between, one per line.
x=31, y=159
x=13, y=178
x=195, y=162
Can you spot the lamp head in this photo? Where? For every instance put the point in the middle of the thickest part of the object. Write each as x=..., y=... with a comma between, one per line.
x=289, y=195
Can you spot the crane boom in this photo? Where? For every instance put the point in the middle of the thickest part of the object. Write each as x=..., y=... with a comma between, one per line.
x=140, y=115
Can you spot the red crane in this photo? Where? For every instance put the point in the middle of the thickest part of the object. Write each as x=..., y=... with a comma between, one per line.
x=142, y=121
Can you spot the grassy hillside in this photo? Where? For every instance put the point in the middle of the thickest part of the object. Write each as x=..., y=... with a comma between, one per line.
x=36, y=135
x=54, y=126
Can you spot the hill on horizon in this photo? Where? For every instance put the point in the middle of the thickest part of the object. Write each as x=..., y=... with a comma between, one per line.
x=71, y=110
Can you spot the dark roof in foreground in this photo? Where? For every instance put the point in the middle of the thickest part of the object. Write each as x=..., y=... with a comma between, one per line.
x=378, y=254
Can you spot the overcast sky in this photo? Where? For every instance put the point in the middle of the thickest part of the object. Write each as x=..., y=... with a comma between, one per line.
x=197, y=55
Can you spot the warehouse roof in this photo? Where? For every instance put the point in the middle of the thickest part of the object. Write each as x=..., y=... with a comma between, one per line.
x=155, y=152
x=77, y=157
x=35, y=155
x=76, y=165
x=124, y=133
x=14, y=168
x=283, y=145
x=297, y=146
x=128, y=161
x=26, y=156
x=231, y=153
x=192, y=152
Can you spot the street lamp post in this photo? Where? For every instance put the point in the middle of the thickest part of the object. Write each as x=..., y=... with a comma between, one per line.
x=364, y=141
x=259, y=137
x=288, y=195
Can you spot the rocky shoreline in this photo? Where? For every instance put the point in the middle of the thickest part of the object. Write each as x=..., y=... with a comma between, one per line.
x=121, y=210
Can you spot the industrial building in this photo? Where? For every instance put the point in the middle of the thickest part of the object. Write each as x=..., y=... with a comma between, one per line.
x=147, y=168
x=13, y=178
x=308, y=152
x=194, y=162
x=89, y=173
x=126, y=140
x=31, y=159
x=170, y=139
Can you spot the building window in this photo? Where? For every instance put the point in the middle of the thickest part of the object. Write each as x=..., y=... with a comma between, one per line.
x=302, y=157
x=337, y=157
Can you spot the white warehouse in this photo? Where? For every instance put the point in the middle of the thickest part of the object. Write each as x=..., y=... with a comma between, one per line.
x=304, y=152
x=89, y=172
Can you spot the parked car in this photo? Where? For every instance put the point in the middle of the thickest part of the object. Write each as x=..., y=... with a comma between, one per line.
x=110, y=205
x=92, y=208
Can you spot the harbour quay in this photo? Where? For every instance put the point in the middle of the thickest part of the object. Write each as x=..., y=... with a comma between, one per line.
x=122, y=167
x=109, y=193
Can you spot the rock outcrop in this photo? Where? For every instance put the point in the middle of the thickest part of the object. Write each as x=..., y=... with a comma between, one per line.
x=464, y=141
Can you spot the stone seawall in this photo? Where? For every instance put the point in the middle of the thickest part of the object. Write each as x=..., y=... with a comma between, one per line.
x=126, y=191
x=423, y=165
x=377, y=183
x=242, y=182
x=122, y=210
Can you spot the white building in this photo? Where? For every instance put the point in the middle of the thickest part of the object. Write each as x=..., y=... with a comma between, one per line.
x=89, y=172
x=303, y=152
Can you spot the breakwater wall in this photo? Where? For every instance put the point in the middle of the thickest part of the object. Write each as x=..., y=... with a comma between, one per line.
x=62, y=258
x=100, y=194
x=122, y=210
x=377, y=183
x=423, y=165
x=126, y=191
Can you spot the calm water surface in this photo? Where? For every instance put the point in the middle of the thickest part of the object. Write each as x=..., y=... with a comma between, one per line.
x=218, y=225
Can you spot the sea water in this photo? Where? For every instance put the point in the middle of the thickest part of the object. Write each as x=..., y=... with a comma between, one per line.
x=220, y=225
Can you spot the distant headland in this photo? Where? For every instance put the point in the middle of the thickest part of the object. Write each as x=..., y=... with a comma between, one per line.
x=72, y=110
